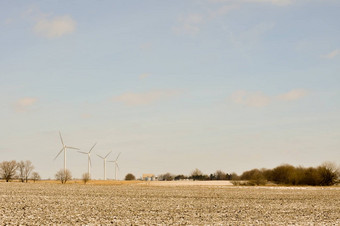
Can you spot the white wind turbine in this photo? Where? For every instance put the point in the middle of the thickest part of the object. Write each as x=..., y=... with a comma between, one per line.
x=64, y=149
x=116, y=165
x=88, y=159
x=104, y=158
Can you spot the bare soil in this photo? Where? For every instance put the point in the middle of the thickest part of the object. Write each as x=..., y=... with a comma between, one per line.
x=149, y=204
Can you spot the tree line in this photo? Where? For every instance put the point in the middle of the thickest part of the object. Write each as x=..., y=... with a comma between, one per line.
x=324, y=175
x=22, y=171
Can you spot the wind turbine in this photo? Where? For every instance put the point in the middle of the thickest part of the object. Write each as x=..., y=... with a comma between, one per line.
x=116, y=165
x=88, y=159
x=104, y=158
x=64, y=149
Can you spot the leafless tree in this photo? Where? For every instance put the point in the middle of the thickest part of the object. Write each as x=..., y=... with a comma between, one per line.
x=8, y=169
x=21, y=169
x=35, y=176
x=25, y=169
x=86, y=177
x=197, y=174
x=63, y=175
x=166, y=177
x=220, y=175
x=28, y=169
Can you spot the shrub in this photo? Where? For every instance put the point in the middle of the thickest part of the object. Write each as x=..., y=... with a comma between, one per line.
x=63, y=175
x=130, y=176
x=86, y=177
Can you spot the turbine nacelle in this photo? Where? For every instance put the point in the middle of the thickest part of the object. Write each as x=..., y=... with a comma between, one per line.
x=64, y=149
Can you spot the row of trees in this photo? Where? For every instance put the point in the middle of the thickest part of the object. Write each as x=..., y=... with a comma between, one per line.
x=198, y=175
x=323, y=175
x=22, y=171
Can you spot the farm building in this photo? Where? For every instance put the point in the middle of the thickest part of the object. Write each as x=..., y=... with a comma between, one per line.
x=149, y=177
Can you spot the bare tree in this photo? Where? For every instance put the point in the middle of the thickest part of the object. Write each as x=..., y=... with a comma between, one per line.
x=35, y=176
x=21, y=169
x=220, y=175
x=86, y=177
x=8, y=169
x=25, y=169
x=166, y=176
x=329, y=173
x=197, y=174
x=28, y=169
x=63, y=175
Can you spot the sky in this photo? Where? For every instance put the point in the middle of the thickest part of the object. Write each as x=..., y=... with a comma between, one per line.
x=171, y=85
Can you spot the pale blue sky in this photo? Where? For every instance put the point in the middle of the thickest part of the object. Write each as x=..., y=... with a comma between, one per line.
x=174, y=86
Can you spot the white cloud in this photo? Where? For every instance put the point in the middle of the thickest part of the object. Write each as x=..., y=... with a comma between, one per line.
x=332, y=54
x=293, y=95
x=25, y=103
x=189, y=24
x=259, y=99
x=144, y=75
x=145, y=98
x=256, y=99
x=56, y=27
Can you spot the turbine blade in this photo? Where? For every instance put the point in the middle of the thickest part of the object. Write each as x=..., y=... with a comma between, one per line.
x=117, y=166
x=90, y=161
x=73, y=148
x=92, y=147
x=100, y=156
x=59, y=153
x=82, y=152
x=118, y=156
x=108, y=154
x=61, y=139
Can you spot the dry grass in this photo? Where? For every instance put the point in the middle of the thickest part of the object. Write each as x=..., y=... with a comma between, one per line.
x=142, y=203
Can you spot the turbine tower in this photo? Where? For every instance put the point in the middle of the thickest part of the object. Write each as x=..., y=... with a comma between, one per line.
x=88, y=159
x=64, y=149
x=104, y=158
x=116, y=165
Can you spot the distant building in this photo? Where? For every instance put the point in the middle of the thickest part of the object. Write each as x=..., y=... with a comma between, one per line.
x=149, y=177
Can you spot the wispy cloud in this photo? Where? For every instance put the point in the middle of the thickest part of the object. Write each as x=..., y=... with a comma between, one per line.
x=145, y=98
x=86, y=115
x=144, y=76
x=256, y=99
x=223, y=10
x=8, y=21
x=293, y=95
x=55, y=27
x=146, y=46
x=332, y=54
x=189, y=24
x=274, y=2
x=259, y=99
x=24, y=104
x=192, y=23
x=254, y=34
